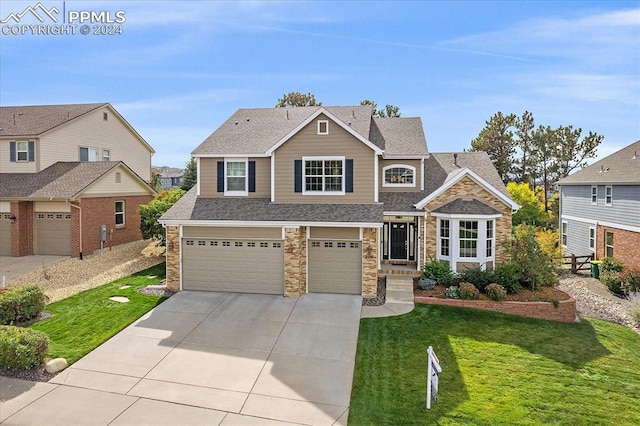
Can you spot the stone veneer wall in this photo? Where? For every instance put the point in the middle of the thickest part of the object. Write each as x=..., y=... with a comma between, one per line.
x=467, y=187
x=173, y=258
x=369, y=262
x=565, y=312
x=294, y=261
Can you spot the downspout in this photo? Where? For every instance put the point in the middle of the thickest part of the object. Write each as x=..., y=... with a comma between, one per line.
x=80, y=224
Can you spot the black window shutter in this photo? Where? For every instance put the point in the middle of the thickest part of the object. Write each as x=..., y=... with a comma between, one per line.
x=12, y=151
x=348, y=184
x=220, y=176
x=32, y=151
x=252, y=176
x=298, y=176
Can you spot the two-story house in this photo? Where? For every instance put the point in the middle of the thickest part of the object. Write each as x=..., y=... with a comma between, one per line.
x=318, y=199
x=600, y=208
x=71, y=179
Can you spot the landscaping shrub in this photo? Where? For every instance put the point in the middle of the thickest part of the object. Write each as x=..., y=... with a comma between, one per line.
x=452, y=292
x=536, y=268
x=468, y=291
x=496, y=292
x=612, y=281
x=477, y=277
x=20, y=304
x=426, y=283
x=440, y=272
x=630, y=280
x=611, y=264
x=22, y=348
x=508, y=276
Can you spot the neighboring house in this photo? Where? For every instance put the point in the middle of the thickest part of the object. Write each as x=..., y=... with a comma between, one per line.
x=169, y=177
x=62, y=176
x=319, y=199
x=600, y=208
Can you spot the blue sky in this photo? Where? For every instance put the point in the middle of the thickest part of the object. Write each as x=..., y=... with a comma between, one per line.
x=179, y=69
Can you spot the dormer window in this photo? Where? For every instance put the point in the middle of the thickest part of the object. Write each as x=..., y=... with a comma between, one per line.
x=323, y=127
x=236, y=177
x=399, y=175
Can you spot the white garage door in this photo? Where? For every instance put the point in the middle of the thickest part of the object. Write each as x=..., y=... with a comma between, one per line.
x=5, y=234
x=335, y=266
x=236, y=265
x=53, y=234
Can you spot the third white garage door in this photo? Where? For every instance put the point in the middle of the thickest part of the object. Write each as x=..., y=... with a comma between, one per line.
x=335, y=266
x=244, y=266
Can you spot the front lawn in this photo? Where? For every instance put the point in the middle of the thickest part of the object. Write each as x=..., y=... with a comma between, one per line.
x=82, y=322
x=497, y=369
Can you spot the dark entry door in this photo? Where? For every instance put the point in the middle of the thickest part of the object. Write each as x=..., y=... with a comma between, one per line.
x=399, y=241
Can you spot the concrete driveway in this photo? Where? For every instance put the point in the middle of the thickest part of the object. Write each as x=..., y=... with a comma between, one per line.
x=209, y=358
x=11, y=267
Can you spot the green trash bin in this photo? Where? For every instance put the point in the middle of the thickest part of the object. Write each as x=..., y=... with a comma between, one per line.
x=595, y=268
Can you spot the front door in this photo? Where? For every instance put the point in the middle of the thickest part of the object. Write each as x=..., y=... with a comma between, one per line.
x=398, y=241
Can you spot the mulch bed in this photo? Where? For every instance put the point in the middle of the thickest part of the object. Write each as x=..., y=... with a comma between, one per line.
x=545, y=294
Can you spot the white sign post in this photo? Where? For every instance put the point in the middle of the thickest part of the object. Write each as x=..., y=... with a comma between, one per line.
x=433, y=368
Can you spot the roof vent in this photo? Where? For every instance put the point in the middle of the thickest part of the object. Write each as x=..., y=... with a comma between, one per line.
x=635, y=155
x=248, y=119
x=455, y=159
x=353, y=113
x=287, y=114
x=236, y=122
x=603, y=170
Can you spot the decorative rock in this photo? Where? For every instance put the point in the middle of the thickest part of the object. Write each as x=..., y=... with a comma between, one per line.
x=56, y=365
x=124, y=287
x=120, y=299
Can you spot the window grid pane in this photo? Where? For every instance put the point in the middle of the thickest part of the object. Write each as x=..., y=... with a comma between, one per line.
x=236, y=176
x=468, y=235
x=444, y=237
x=324, y=175
x=398, y=175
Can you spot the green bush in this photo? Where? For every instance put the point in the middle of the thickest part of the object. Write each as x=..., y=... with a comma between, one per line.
x=439, y=272
x=611, y=264
x=468, y=291
x=452, y=292
x=630, y=280
x=612, y=281
x=20, y=304
x=508, y=276
x=22, y=348
x=536, y=268
x=477, y=277
x=496, y=292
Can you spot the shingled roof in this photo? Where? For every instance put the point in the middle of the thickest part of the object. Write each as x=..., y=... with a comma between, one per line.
x=60, y=181
x=399, y=136
x=37, y=119
x=621, y=168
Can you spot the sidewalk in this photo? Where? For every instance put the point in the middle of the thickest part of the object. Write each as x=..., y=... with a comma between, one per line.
x=399, y=298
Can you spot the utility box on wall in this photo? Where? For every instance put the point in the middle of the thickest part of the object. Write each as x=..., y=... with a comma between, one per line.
x=103, y=233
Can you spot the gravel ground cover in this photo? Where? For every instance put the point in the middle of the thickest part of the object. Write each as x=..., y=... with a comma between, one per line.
x=71, y=276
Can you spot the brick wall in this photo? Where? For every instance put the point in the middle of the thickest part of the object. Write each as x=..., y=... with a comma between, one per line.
x=173, y=258
x=369, y=262
x=22, y=228
x=565, y=312
x=467, y=187
x=626, y=245
x=101, y=210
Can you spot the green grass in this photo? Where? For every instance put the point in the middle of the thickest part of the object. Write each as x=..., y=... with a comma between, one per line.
x=82, y=322
x=497, y=369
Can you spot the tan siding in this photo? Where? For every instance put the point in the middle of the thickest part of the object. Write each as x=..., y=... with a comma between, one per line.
x=51, y=206
x=418, y=177
x=107, y=185
x=338, y=142
x=5, y=206
x=90, y=130
x=6, y=166
x=335, y=233
x=209, y=178
x=223, y=232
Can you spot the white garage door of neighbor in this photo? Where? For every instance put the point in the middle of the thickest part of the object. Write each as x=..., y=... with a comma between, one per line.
x=53, y=234
x=5, y=234
x=335, y=266
x=235, y=265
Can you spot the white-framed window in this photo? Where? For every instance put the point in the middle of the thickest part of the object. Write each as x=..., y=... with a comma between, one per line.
x=120, y=213
x=105, y=116
x=323, y=175
x=592, y=238
x=608, y=195
x=400, y=175
x=490, y=239
x=323, y=127
x=565, y=229
x=445, y=232
x=106, y=154
x=88, y=154
x=22, y=151
x=468, y=238
x=608, y=240
x=594, y=195
x=236, y=177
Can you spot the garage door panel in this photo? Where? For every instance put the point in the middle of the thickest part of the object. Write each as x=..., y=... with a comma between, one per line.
x=335, y=266
x=5, y=234
x=53, y=233
x=246, y=266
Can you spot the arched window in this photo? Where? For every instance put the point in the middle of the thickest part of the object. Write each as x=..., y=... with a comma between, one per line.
x=399, y=175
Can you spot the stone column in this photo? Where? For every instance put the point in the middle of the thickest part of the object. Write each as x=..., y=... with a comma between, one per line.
x=173, y=258
x=369, y=262
x=292, y=262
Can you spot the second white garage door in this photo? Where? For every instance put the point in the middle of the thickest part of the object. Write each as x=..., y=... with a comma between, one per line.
x=53, y=234
x=244, y=266
x=5, y=234
x=335, y=266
